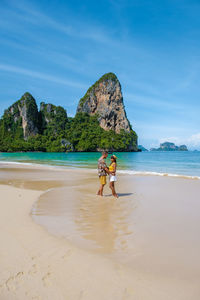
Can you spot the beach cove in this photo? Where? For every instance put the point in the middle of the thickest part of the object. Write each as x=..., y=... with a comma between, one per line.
x=60, y=241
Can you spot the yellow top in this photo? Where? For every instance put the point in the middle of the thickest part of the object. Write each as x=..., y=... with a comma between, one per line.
x=111, y=167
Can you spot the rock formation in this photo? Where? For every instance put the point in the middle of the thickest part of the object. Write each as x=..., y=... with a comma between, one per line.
x=105, y=99
x=52, y=117
x=167, y=146
x=100, y=123
x=182, y=148
x=141, y=148
x=23, y=113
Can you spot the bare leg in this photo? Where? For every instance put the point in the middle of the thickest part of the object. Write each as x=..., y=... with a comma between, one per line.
x=100, y=191
x=112, y=187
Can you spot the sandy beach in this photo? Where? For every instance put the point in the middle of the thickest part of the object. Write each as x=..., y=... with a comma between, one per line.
x=61, y=241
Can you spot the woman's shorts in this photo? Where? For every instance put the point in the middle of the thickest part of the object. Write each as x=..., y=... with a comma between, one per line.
x=113, y=178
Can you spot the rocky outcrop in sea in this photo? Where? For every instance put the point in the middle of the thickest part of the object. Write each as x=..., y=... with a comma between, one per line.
x=167, y=146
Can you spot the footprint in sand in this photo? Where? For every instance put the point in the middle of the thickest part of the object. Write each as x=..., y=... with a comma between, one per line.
x=13, y=281
x=33, y=270
x=47, y=279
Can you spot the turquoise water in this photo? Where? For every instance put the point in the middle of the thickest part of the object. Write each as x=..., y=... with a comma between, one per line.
x=181, y=163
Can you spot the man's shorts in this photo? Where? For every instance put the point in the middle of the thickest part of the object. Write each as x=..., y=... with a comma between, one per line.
x=102, y=179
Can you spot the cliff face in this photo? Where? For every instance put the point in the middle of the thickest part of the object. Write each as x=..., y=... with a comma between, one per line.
x=105, y=99
x=23, y=114
x=100, y=123
x=22, y=119
x=51, y=117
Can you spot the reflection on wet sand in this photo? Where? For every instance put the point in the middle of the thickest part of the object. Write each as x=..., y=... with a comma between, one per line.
x=33, y=184
x=105, y=222
x=37, y=179
x=100, y=224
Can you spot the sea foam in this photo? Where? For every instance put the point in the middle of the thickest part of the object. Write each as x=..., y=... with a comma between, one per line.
x=130, y=172
x=126, y=172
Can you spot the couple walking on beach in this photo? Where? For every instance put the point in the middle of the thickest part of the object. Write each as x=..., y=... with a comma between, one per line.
x=103, y=171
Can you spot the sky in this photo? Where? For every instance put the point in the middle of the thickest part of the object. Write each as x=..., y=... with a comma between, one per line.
x=56, y=49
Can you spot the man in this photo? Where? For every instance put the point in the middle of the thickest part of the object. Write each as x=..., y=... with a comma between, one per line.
x=102, y=172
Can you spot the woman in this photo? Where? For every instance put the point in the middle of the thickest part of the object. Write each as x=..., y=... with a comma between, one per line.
x=112, y=174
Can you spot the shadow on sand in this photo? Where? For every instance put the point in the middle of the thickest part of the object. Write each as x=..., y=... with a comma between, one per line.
x=124, y=194
x=120, y=194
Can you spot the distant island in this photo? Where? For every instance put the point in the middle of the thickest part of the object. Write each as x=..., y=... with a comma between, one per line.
x=142, y=149
x=100, y=123
x=167, y=146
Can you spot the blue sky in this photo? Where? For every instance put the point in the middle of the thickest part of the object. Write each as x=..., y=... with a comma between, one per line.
x=57, y=49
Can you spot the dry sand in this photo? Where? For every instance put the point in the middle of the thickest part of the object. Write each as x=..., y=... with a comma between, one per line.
x=35, y=264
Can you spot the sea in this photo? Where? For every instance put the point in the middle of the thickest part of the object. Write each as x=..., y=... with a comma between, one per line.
x=168, y=163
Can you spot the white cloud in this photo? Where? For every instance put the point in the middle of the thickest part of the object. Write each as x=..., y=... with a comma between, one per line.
x=39, y=75
x=32, y=14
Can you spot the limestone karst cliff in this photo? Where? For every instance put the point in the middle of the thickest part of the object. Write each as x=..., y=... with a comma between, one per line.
x=100, y=123
x=21, y=118
x=105, y=99
x=52, y=118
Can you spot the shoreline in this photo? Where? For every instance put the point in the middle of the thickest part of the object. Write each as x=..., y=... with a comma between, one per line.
x=62, y=270
x=66, y=168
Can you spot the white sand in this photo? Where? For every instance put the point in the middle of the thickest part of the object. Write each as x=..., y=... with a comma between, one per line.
x=37, y=265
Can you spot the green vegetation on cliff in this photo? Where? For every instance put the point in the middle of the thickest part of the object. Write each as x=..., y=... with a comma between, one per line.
x=82, y=132
x=52, y=119
x=20, y=120
x=24, y=128
x=85, y=134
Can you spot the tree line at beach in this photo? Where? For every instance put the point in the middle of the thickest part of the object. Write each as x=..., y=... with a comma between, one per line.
x=81, y=133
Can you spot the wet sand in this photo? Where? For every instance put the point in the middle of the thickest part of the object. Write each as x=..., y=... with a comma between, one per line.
x=144, y=245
